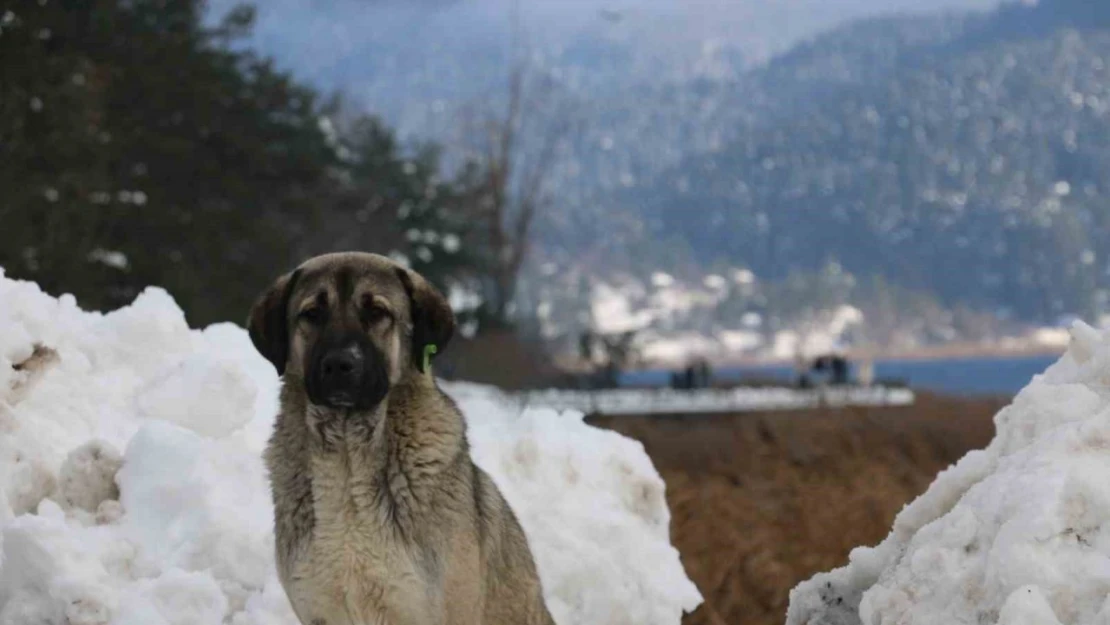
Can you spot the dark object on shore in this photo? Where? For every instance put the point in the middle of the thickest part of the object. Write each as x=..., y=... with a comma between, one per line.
x=618, y=353
x=836, y=366
x=696, y=376
x=833, y=369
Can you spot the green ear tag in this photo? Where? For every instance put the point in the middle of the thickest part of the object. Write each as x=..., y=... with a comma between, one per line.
x=429, y=350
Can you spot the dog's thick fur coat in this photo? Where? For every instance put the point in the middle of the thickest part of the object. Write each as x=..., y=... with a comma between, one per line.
x=381, y=517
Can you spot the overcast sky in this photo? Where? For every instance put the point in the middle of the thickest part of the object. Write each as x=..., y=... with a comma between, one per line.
x=324, y=31
x=397, y=57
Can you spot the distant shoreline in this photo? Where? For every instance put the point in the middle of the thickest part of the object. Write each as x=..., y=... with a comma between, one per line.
x=954, y=351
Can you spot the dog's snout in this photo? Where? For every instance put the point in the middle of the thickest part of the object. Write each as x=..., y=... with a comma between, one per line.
x=343, y=362
x=341, y=372
x=342, y=365
x=346, y=372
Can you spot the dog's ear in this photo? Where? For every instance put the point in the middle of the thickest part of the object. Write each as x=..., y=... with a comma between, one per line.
x=433, y=322
x=268, y=323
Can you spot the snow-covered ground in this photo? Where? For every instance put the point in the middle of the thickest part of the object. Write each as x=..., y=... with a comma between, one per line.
x=665, y=401
x=132, y=490
x=1015, y=534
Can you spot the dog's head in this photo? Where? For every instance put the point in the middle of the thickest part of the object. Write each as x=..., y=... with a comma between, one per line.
x=350, y=326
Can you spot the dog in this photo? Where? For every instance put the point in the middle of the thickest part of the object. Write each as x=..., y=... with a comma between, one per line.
x=381, y=517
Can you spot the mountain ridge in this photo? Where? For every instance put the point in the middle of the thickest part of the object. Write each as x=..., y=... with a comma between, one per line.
x=954, y=154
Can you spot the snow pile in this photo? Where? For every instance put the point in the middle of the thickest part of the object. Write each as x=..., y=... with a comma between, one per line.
x=592, y=505
x=1018, y=533
x=132, y=490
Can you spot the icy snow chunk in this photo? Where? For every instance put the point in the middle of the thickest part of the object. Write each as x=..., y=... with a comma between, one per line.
x=176, y=598
x=1027, y=606
x=210, y=396
x=1017, y=533
x=593, y=508
x=26, y=373
x=26, y=479
x=88, y=476
x=197, y=505
x=148, y=331
x=266, y=606
x=55, y=573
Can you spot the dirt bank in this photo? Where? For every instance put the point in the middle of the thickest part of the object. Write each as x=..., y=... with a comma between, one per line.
x=763, y=501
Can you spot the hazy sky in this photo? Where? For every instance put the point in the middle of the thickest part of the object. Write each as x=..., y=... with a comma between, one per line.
x=326, y=30
x=399, y=56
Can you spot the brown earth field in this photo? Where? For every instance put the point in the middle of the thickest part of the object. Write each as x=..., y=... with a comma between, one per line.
x=762, y=501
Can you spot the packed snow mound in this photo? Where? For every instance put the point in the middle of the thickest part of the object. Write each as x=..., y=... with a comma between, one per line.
x=132, y=490
x=1015, y=534
x=577, y=488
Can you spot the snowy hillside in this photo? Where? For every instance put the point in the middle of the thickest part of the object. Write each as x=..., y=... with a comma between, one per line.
x=970, y=143
x=1017, y=533
x=132, y=490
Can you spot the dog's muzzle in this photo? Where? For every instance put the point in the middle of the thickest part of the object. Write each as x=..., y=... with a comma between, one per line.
x=340, y=375
x=349, y=374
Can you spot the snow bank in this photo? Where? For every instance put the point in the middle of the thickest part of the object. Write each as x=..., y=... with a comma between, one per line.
x=593, y=508
x=1018, y=533
x=132, y=490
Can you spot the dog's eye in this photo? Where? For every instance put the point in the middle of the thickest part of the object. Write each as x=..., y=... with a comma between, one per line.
x=372, y=313
x=314, y=315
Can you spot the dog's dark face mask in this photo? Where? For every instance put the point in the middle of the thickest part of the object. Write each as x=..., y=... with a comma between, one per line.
x=346, y=371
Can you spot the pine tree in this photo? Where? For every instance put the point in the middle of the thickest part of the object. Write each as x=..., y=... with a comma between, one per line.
x=138, y=148
x=396, y=200
x=142, y=147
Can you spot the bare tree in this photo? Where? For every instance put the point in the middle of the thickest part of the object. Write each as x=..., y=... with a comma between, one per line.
x=515, y=151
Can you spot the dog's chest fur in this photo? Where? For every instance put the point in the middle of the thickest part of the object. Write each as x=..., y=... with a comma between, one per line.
x=357, y=543
x=356, y=568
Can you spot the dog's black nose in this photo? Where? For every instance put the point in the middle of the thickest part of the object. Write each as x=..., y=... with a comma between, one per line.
x=341, y=373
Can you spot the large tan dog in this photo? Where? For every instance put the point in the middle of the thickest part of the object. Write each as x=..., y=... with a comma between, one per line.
x=381, y=517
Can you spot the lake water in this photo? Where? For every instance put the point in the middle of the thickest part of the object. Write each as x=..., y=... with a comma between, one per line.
x=959, y=376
